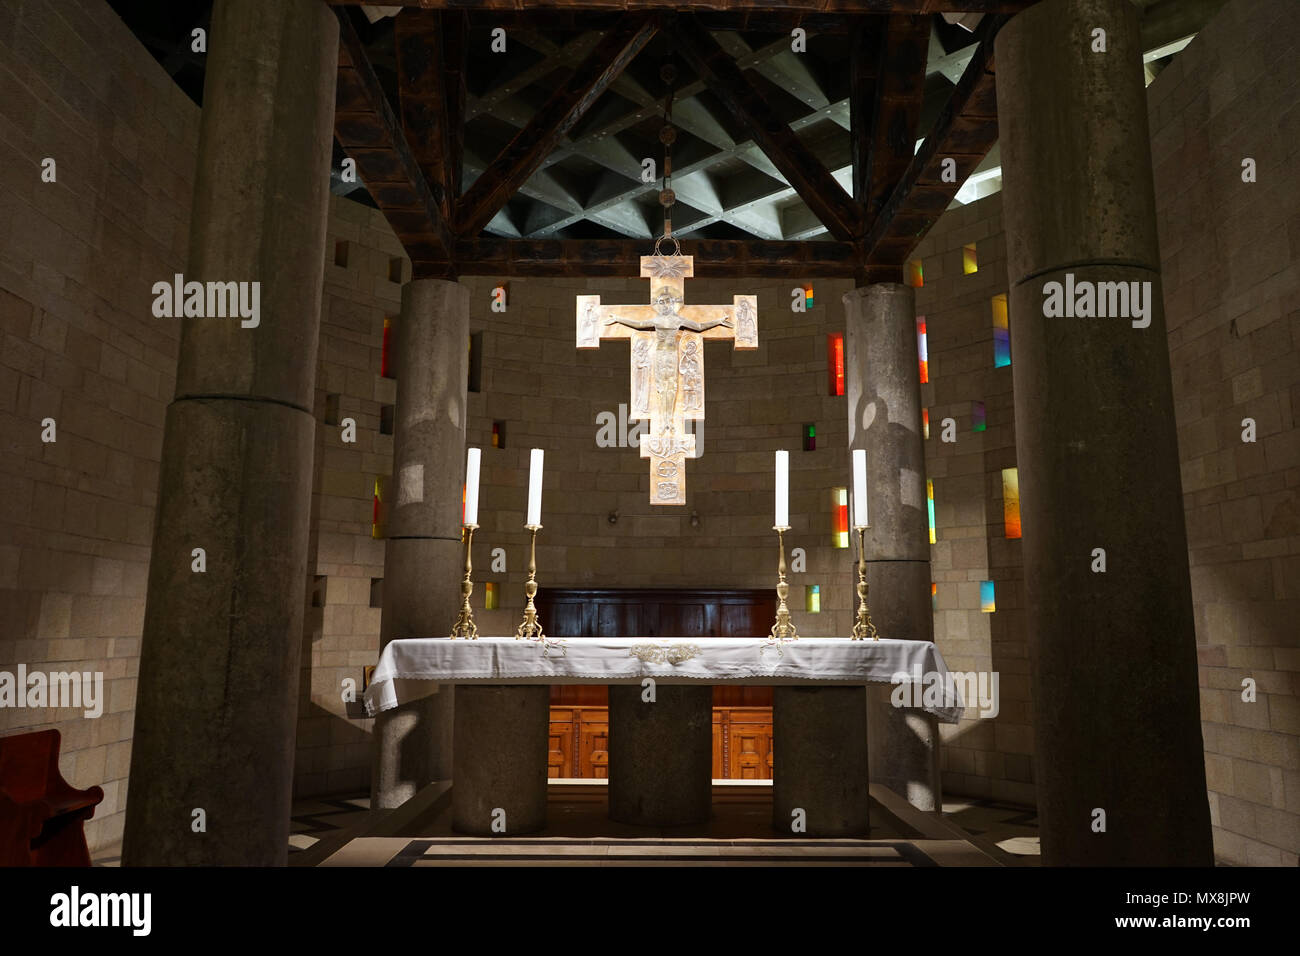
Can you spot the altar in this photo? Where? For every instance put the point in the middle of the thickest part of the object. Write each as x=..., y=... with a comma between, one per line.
x=659, y=720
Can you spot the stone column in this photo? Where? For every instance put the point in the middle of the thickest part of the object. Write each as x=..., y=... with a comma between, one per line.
x=423, y=557
x=660, y=755
x=217, y=707
x=499, y=783
x=819, y=761
x=883, y=385
x=1116, y=718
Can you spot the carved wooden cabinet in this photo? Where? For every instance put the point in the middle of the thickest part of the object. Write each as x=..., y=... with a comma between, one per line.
x=742, y=716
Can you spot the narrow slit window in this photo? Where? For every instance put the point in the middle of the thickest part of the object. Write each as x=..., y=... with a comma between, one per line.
x=988, y=603
x=1001, y=332
x=491, y=595
x=835, y=362
x=978, y=423
x=376, y=592
x=318, y=583
x=812, y=598
x=934, y=596
x=840, y=517
x=341, y=253
x=923, y=349
x=914, y=275
x=385, y=419
x=498, y=434
x=810, y=437
x=1011, y=501
x=809, y=299
x=969, y=262
x=475, y=361
x=331, y=409
x=395, y=270
x=385, y=350
x=379, y=512
x=929, y=503
x=925, y=422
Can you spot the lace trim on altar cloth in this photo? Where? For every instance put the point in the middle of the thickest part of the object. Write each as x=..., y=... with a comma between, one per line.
x=664, y=653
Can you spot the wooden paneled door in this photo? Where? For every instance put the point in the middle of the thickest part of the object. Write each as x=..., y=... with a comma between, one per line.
x=746, y=734
x=559, y=752
x=742, y=716
x=579, y=742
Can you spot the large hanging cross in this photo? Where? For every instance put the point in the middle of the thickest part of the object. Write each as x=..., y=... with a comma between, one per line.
x=667, y=361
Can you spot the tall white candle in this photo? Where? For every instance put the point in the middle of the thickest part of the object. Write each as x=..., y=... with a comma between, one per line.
x=782, y=489
x=472, y=461
x=859, y=487
x=535, y=488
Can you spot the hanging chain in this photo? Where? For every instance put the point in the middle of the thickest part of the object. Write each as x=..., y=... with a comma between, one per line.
x=668, y=136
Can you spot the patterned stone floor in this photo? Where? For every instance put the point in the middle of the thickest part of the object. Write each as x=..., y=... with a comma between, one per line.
x=1012, y=829
x=316, y=818
x=739, y=832
x=580, y=834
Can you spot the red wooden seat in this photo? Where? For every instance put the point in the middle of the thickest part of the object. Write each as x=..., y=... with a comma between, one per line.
x=42, y=816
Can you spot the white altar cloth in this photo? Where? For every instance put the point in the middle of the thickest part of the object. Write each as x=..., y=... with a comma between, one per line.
x=411, y=668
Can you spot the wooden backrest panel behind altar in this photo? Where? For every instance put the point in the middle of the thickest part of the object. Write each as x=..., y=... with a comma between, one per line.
x=658, y=612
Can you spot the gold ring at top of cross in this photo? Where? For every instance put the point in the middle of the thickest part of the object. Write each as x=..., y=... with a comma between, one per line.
x=677, y=246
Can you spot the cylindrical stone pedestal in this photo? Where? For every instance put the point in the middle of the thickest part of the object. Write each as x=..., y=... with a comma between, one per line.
x=499, y=768
x=1116, y=709
x=660, y=755
x=424, y=559
x=217, y=704
x=820, y=779
x=883, y=387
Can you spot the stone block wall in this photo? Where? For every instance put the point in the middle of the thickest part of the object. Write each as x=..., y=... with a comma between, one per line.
x=341, y=630
x=989, y=757
x=81, y=346
x=1230, y=252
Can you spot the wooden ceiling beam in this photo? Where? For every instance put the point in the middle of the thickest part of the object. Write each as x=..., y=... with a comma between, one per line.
x=801, y=169
x=524, y=154
x=864, y=72
x=622, y=257
x=423, y=99
x=455, y=38
x=372, y=136
x=896, y=112
x=965, y=131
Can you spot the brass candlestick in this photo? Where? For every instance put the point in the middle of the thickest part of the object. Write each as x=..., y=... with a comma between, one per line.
x=531, y=627
x=784, y=627
x=864, y=627
x=465, y=626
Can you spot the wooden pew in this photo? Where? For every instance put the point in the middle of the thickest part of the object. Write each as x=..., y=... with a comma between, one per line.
x=42, y=816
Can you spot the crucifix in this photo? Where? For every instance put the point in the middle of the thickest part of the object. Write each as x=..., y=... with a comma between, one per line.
x=667, y=355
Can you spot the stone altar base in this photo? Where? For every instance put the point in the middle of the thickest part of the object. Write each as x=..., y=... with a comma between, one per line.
x=660, y=755
x=499, y=759
x=819, y=760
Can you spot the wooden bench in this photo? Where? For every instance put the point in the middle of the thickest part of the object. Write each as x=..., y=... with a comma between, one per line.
x=42, y=816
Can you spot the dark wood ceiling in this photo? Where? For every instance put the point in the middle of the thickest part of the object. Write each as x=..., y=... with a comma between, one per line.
x=786, y=161
x=529, y=163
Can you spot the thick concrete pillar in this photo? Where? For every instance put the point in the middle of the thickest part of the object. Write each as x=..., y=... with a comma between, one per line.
x=819, y=761
x=660, y=755
x=1116, y=713
x=423, y=559
x=217, y=705
x=883, y=385
x=502, y=735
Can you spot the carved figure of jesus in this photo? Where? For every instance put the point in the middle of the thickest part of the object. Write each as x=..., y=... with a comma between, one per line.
x=667, y=339
x=666, y=325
